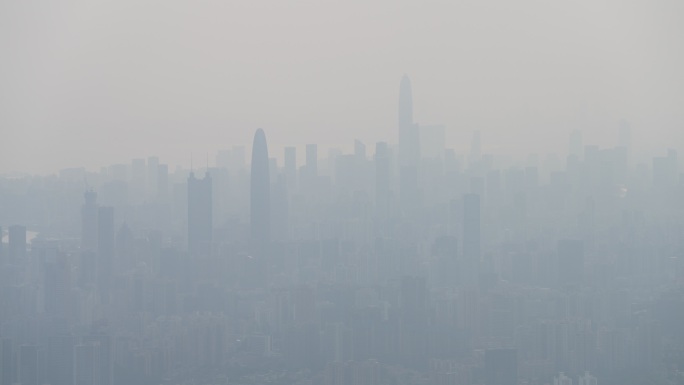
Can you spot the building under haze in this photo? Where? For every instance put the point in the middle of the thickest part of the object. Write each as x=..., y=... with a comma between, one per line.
x=105, y=250
x=473, y=269
x=471, y=239
x=260, y=191
x=409, y=148
x=200, y=222
x=290, y=167
x=89, y=222
x=570, y=254
x=382, y=181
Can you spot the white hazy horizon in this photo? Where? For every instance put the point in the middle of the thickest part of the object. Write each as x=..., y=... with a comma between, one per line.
x=95, y=83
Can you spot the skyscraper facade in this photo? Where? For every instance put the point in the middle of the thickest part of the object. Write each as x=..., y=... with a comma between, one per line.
x=105, y=250
x=471, y=240
x=291, y=167
x=570, y=261
x=409, y=147
x=382, y=181
x=89, y=222
x=260, y=191
x=200, y=220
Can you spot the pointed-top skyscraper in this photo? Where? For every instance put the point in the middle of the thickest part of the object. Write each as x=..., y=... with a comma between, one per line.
x=260, y=192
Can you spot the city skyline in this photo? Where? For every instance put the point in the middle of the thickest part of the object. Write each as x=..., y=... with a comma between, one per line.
x=372, y=192
x=411, y=264
x=504, y=70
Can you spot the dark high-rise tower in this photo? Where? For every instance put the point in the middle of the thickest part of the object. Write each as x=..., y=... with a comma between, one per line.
x=471, y=240
x=382, y=181
x=291, y=167
x=105, y=250
x=409, y=147
x=309, y=173
x=199, y=215
x=260, y=192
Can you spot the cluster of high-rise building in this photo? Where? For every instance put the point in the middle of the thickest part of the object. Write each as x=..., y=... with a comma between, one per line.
x=410, y=265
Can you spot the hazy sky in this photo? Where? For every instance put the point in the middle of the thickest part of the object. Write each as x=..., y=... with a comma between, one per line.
x=90, y=83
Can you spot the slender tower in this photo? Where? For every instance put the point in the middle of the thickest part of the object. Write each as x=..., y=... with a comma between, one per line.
x=260, y=193
x=409, y=147
x=200, y=221
x=471, y=240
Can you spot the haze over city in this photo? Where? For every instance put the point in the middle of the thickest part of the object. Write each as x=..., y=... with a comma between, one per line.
x=175, y=78
x=341, y=193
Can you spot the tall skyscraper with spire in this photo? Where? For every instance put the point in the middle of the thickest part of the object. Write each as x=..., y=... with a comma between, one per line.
x=260, y=191
x=409, y=147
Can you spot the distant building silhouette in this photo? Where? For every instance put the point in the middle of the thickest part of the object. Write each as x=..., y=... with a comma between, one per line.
x=570, y=262
x=409, y=148
x=152, y=176
x=290, y=167
x=260, y=191
x=138, y=181
x=309, y=174
x=89, y=222
x=312, y=159
x=57, y=286
x=163, y=182
x=382, y=181
x=200, y=221
x=665, y=169
x=471, y=239
x=105, y=250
